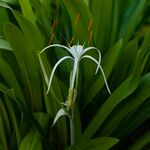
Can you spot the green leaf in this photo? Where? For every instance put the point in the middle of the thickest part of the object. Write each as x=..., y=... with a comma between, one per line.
x=33, y=141
x=5, y=118
x=102, y=13
x=129, y=51
x=37, y=41
x=43, y=14
x=13, y=119
x=95, y=144
x=131, y=18
x=134, y=120
x=133, y=102
x=77, y=10
x=115, y=22
x=3, y=18
x=124, y=90
x=3, y=139
x=27, y=10
x=141, y=142
x=26, y=111
x=27, y=63
x=146, y=43
x=9, y=77
x=34, y=38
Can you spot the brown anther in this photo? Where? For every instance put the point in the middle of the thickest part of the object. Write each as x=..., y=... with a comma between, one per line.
x=51, y=38
x=76, y=19
x=53, y=26
x=71, y=41
x=90, y=24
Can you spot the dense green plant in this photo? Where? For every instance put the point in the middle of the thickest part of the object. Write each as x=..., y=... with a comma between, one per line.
x=119, y=29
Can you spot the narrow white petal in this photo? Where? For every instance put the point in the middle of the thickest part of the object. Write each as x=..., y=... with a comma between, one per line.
x=99, y=55
x=56, y=45
x=90, y=57
x=53, y=71
x=43, y=69
x=105, y=79
x=4, y=4
x=60, y=113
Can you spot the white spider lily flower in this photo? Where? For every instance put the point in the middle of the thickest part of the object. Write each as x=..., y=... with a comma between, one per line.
x=77, y=54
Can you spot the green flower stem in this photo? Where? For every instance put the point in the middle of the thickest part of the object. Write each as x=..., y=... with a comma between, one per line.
x=73, y=105
x=77, y=53
x=72, y=131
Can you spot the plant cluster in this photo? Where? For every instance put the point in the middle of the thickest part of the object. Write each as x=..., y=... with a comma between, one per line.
x=74, y=109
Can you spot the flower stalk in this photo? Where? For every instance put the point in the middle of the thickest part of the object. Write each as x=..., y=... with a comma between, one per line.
x=77, y=53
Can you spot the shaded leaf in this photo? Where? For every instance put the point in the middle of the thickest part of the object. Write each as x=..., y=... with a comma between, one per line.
x=102, y=13
x=124, y=90
x=27, y=64
x=133, y=102
x=141, y=142
x=27, y=10
x=131, y=18
x=95, y=144
x=77, y=10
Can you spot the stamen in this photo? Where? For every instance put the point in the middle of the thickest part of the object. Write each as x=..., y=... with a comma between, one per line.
x=53, y=26
x=52, y=32
x=77, y=19
x=51, y=38
x=90, y=37
x=71, y=41
x=90, y=24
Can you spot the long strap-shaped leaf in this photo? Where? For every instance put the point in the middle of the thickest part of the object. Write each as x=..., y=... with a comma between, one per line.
x=8, y=75
x=94, y=144
x=32, y=140
x=27, y=10
x=3, y=139
x=27, y=64
x=125, y=89
x=132, y=103
x=9, y=93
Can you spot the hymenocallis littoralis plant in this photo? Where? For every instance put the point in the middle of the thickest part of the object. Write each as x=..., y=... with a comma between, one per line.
x=77, y=54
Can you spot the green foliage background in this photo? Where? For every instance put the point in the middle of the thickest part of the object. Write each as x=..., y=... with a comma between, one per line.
x=120, y=29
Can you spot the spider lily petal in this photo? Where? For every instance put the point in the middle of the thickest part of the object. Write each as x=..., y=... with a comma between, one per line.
x=56, y=45
x=53, y=71
x=43, y=69
x=89, y=57
x=60, y=113
x=99, y=55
